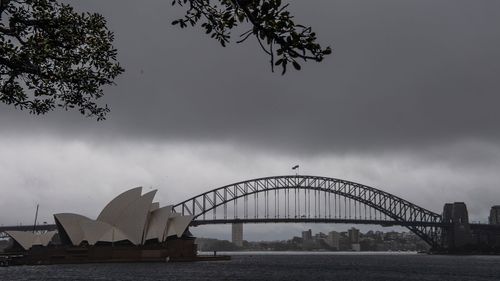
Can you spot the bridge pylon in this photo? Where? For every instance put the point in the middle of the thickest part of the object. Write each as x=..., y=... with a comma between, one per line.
x=237, y=234
x=457, y=234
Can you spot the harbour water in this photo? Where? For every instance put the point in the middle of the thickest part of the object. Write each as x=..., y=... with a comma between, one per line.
x=279, y=266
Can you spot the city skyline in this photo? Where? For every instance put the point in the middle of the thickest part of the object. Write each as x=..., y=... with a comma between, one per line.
x=307, y=240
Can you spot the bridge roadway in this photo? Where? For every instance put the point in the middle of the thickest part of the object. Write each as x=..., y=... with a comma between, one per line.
x=385, y=223
x=42, y=227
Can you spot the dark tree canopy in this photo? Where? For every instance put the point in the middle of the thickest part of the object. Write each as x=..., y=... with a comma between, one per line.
x=52, y=56
x=271, y=23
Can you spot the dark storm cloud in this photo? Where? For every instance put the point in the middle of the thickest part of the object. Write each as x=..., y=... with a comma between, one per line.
x=403, y=74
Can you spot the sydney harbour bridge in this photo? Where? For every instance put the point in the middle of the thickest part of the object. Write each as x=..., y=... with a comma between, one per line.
x=315, y=199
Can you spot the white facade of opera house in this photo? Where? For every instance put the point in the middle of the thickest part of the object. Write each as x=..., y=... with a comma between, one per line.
x=130, y=218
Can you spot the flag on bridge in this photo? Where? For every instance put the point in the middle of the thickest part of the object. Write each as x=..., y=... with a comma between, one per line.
x=295, y=167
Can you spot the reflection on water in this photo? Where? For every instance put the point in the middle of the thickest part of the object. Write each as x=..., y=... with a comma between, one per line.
x=279, y=266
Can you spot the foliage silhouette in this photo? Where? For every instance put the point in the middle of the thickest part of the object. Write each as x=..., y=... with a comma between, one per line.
x=52, y=56
x=285, y=41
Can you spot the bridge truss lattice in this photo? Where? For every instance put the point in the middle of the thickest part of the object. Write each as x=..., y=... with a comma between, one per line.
x=299, y=198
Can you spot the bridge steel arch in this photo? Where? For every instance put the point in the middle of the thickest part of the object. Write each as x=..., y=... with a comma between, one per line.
x=424, y=223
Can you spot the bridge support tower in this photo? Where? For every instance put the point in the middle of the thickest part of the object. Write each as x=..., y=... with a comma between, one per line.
x=237, y=234
x=458, y=234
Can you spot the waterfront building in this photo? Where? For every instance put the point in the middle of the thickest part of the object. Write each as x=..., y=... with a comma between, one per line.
x=129, y=218
x=130, y=228
x=320, y=236
x=307, y=235
x=333, y=240
x=353, y=235
x=356, y=247
x=354, y=239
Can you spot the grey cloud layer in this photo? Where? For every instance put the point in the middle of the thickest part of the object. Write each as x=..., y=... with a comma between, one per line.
x=403, y=74
x=76, y=176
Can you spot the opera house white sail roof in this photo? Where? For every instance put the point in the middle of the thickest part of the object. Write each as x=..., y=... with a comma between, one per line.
x=130, y=216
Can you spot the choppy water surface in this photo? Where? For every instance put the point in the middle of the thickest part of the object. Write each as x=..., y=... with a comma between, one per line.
x=254, y=266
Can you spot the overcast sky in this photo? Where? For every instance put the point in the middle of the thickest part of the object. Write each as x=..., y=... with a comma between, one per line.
x=407, y=103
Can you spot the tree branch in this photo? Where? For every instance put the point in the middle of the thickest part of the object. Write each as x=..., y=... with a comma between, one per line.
x=271, y=24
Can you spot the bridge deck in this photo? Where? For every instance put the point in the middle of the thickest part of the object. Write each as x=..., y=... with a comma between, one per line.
x=43, y=227
x=315, y=220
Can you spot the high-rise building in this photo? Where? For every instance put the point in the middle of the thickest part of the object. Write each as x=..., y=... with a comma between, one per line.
x=495, y=215
x=354, y=235
x=320, y=236
x=333, y=239
x=354, y=239
x=307, y=235
x=237, y=234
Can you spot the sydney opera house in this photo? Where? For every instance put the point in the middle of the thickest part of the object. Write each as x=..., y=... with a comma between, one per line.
x=130, y=228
